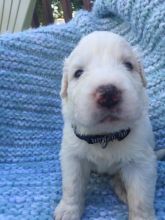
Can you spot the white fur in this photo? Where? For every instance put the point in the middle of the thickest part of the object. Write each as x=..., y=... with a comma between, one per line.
x=101, y=55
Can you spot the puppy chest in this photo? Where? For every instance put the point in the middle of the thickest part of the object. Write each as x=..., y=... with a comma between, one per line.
x=103, y=161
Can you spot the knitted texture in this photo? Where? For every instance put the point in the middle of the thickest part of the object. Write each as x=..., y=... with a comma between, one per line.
x=30, y=119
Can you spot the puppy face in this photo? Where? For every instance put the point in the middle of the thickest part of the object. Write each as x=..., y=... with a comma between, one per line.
x=103, y=83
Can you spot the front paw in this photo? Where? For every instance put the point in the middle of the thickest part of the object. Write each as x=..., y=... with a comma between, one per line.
x=67, y=212
x=142, y=216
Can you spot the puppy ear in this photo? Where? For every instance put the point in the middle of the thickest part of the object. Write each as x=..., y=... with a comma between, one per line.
x=138, y=55
x=141, y=72
x=64, y=83
x=64, y=86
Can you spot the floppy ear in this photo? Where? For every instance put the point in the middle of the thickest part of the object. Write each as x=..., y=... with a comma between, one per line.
x=138, y=56
x=64, y=83
x=64, y=86
x=141, y=72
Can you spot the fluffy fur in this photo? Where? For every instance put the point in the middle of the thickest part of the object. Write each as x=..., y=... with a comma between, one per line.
x=132, y=162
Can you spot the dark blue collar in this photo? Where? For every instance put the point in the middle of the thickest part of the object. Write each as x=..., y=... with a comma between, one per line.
x=103, y=139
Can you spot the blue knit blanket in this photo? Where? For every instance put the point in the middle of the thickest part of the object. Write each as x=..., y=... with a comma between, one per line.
x=30, y=119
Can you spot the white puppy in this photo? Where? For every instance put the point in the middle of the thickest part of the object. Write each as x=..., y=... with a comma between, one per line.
x=107, y=127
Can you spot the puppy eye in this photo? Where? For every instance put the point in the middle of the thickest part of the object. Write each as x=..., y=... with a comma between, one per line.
x=128, y=65
x=78, y=73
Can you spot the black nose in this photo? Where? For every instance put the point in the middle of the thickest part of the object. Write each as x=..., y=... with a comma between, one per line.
x=108, y=96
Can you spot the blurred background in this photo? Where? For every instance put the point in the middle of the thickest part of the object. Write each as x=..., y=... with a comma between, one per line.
x=18, y=15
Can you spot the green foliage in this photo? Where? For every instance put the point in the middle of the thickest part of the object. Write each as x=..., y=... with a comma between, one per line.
x=76, y=4
x=57, y=10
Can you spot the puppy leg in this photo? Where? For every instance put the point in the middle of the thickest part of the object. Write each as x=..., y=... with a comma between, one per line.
x=75, y=173
x=139, y=179
x=119, y=187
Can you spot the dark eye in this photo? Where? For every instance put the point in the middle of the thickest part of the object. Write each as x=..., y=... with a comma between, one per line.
x=128, y=65
x=78, y=73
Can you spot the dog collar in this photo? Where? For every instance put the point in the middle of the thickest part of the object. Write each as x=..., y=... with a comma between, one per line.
x=103, y=139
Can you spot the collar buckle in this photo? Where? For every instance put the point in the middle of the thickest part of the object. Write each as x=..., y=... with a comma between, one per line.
x=104, y=142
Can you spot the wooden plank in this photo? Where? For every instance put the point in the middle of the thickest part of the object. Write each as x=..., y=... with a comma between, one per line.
x=24, y=15
x=67, y=9
x=6, y=15
x=13, y=15
x=2, y=2
x=47, y=12
x=29, y=15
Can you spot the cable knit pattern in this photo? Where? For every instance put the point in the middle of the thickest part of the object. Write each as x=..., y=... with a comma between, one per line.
x=30, y=119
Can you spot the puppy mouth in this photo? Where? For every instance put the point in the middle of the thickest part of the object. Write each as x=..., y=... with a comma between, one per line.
x=109, y=118
x=104, y=115
x=112, y=115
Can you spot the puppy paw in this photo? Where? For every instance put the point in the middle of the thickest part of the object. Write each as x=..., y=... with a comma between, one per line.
x=67, y=212
x=141, y=216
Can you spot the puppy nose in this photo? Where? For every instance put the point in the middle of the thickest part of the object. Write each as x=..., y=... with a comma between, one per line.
x=108, y=96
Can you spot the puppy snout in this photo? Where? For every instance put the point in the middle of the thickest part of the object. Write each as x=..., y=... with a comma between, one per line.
x=108, y=96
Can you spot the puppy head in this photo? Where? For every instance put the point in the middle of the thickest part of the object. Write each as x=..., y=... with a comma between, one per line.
x=103, y=85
